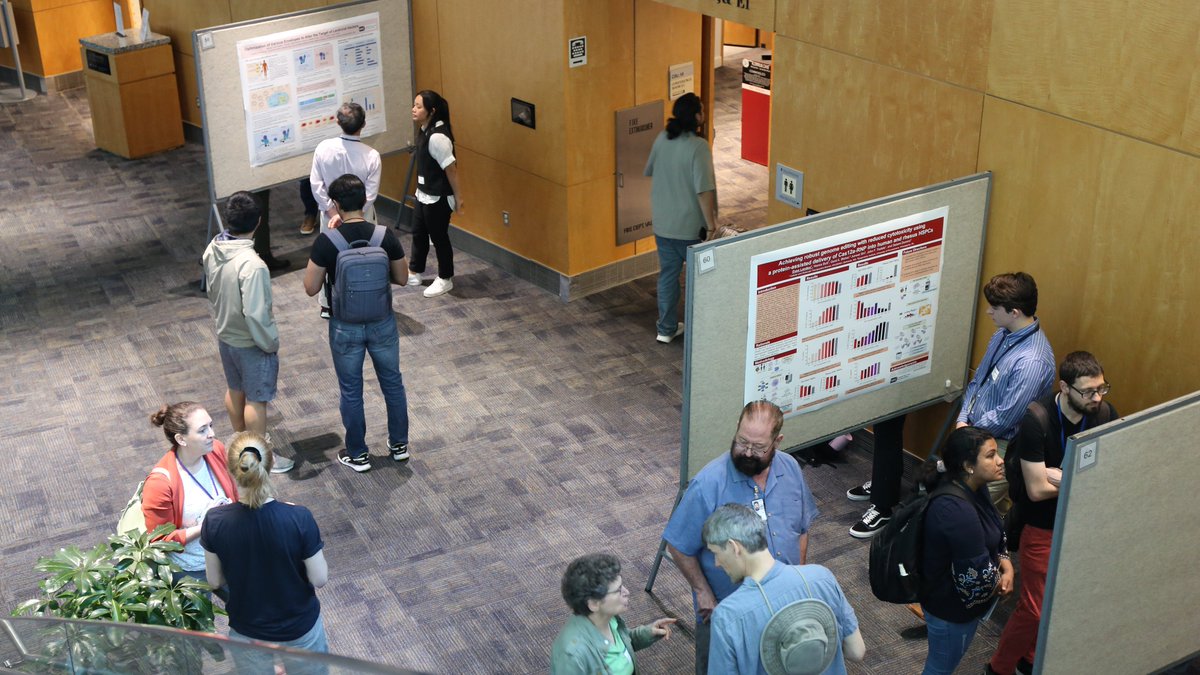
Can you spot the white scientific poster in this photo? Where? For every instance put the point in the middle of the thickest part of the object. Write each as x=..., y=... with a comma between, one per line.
x=844, y=315
x=294, y=81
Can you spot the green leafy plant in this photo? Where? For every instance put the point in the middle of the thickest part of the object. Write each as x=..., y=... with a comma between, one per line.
x=128, y=580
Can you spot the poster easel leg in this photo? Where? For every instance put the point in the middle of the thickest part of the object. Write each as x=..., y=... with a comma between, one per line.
x=662, y=546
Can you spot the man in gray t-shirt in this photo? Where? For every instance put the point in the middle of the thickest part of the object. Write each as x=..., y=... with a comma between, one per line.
x=683, y=199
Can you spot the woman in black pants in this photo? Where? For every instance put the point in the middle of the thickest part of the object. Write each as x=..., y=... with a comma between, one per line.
x=437, y=191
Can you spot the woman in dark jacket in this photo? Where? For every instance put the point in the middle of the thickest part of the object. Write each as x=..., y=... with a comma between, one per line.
x=965, y=561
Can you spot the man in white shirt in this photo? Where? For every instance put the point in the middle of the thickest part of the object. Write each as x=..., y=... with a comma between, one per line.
x=335, y=157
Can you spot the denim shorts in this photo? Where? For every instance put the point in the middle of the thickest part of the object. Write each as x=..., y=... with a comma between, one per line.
x=250, y=370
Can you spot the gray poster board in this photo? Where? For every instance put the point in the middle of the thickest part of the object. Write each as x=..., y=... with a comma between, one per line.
x=717, y=315
x=1121, y=589
x=224, y=118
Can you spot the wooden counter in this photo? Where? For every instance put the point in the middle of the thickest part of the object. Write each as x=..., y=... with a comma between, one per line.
x=133, y=93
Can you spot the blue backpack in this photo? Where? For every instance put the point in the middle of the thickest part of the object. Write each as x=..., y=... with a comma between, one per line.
x=362, y=287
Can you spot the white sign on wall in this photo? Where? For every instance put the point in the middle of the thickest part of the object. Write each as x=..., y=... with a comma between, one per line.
x=577, y=51
x=681, y=79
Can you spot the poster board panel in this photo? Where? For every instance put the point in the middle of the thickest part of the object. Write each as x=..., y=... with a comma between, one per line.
x=1121, y=592
x=223, y=105
x=719, y=283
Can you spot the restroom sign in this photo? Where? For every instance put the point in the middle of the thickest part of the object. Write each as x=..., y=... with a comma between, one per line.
x=577, y=51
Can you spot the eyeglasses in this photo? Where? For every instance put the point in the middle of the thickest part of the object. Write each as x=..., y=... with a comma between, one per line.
x=756, y=449
x=1092, y=393
x=618, y=589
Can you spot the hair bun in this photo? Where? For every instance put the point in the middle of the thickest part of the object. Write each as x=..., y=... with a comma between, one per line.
x=160, y=417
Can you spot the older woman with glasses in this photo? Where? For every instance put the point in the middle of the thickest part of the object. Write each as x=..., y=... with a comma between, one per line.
x=595, y=639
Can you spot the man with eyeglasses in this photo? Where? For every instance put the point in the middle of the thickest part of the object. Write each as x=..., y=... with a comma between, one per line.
x=1076, y=404
x=755, y=475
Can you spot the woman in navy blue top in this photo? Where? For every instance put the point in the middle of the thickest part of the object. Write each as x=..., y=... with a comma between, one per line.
x=965, y=563
x=271, y=556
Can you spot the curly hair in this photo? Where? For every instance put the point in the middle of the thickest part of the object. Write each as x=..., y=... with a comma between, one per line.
x=588, y=578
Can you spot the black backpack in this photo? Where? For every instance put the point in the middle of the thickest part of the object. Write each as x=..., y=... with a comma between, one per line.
x=362, y=287
x=895, y=558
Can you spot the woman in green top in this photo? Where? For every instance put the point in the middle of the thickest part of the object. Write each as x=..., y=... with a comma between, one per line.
x=595, y=639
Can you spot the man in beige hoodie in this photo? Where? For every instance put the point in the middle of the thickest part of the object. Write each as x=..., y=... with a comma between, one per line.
x=239, y=287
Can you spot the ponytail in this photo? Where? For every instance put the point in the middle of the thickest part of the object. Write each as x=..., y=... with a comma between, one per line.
x=249, y=460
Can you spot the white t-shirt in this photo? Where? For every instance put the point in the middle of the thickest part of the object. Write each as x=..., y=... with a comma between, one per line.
x=196, y=502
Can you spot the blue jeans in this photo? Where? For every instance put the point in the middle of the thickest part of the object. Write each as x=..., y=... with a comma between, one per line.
x=349, y=343
x=948, y=642
x=253, y=661
x=671, y=255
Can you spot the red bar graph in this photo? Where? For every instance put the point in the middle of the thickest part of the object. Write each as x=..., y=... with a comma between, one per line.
x=864, y=310
x=828, y=349
x=879, y=334
x=825, y=290
x=869, y=372
x=863, y=280
x=830, y=314
x=831, y=382
x=807, y=390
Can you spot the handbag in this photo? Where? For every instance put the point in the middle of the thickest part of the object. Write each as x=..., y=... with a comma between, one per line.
x=132, y=518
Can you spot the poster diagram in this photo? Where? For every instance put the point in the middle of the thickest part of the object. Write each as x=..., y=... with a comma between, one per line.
x=293, y=83
x=844, y=315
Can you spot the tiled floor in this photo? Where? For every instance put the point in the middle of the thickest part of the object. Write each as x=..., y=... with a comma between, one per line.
x=541, y=431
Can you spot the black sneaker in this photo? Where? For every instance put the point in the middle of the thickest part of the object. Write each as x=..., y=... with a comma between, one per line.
x=870, y=525
x=399, y=451
x=860, y=493
x=325, y=313
x=359, y=464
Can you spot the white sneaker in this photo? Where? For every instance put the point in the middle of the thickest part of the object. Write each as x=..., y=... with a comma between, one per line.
x=438, y=287
x=283, y=464
x=414, y=279
x=667, y=338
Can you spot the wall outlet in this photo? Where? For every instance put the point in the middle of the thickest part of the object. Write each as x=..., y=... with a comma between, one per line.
x=504, y=215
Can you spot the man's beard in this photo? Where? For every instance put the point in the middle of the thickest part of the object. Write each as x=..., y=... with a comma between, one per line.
x=1089, y=407
x=752, y=465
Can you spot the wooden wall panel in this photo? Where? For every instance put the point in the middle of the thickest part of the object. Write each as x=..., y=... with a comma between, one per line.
x=598, y=88
x=483, y=68
x=243, y=10
x=537, y=206
x=427, y=58
x=29, y=48
x=178, y=19
x=1130, y=66
x=59, y=29
x=860, y=130
x=592, y=230
x=665, y=36
x=755, y=13
x=189, y=90
x=1106, y=224
x=943, y=39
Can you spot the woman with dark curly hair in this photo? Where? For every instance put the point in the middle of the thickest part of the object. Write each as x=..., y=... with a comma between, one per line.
x=965, y=562
x=595, y=639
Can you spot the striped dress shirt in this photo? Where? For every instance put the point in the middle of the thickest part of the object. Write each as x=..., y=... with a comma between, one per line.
x=1022, y=363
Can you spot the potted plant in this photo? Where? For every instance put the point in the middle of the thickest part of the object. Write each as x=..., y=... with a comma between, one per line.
x=129, y=579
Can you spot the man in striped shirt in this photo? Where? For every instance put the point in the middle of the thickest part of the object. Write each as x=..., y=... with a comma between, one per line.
x=1018, y=367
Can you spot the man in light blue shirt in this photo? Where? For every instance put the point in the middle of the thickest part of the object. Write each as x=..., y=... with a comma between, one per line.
x=737, y=537
x=754, y=475
x=1017, y=368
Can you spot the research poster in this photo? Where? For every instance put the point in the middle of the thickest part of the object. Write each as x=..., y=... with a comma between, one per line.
x=841, y=316
x=294, y=81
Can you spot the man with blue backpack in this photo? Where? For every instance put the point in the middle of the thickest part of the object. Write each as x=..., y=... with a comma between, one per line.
x=359, y=261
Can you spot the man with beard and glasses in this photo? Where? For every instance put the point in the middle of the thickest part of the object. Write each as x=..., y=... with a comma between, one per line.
x=1078, y=404
x=754, y=475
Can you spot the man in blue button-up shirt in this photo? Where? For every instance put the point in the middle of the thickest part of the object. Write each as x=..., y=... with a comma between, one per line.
x=1018, y=366
x=755, y=475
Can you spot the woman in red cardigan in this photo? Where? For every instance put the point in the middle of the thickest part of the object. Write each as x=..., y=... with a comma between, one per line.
x=188, y=481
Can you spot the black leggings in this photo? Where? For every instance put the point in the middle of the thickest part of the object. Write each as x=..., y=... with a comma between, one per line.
x=431, y=222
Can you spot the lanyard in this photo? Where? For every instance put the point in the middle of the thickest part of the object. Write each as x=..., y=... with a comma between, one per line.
x=198, y=483
x=1062, y=425
x=992, y=362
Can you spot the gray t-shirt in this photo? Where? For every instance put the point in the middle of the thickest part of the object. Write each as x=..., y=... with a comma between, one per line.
x=682, y=168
